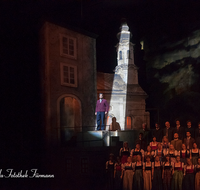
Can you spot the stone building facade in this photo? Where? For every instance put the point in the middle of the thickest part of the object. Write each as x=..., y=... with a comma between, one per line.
x=70, y=86
x=68, y=73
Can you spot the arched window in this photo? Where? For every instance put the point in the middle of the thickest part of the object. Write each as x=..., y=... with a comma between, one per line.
x=120, y=55
x=128, y=54
x=108, y=123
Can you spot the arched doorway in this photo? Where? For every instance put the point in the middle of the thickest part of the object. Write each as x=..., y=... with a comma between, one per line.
x=69, y=118
x=128, y=123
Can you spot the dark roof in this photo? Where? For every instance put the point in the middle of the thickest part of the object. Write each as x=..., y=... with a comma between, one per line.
x=135, y=89
x=104, y=81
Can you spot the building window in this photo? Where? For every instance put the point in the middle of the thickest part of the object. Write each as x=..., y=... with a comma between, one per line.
x=142, y=45
x=128, y=54
x=128, y=122
x=68, y=46
x=84, y=165
x=120, y=55
x=69, y=165
x=68, y=75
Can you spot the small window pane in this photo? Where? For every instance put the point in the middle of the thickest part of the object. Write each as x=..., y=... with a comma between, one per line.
x=71, y=47
x=71, y=70
x=72, y=76
x=66, y=80
x=71, y=42
x=68, y=46
x=72, y=81
x=71, y=52
x=65, y=45
x=64, y=40
x=69, y=75
x=65, y=51
x=120, y=55
x=65, y=73
x=128, y=54
x=65, y=68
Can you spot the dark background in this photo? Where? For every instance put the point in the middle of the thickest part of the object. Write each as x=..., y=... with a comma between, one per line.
x=160, y=24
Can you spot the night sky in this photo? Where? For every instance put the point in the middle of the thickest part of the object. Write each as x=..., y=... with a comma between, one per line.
x=159, y=23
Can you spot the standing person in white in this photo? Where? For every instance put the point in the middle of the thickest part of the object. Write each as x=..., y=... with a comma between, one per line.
x=127, y=174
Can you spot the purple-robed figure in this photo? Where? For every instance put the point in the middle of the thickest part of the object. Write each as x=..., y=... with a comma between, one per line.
x=101, y=109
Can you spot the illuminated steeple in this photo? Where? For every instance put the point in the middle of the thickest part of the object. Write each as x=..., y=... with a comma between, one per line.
x=123, y=45
x=128, y=98
x=125, y=56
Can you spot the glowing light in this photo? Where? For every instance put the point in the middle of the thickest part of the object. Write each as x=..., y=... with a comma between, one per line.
x=119, y=89
x=96, y=134
x=142, y=45
x=128, y=122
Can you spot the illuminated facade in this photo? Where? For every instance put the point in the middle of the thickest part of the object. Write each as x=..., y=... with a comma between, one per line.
x=68, y=103
x=69, y=92
x=127, y=98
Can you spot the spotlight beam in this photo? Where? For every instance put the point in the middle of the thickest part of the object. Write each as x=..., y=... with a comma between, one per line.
x=119, y=88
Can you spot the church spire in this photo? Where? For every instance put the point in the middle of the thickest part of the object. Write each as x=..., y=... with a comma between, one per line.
x=124, y=47
x=127, y=98
x=125, y=56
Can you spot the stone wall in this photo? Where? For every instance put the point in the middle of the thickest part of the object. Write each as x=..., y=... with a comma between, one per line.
x=53, y=91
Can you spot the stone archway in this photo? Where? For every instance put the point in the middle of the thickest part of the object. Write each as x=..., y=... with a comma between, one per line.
x=69, y=117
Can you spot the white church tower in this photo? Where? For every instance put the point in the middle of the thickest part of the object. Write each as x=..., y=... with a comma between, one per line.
x=125, y=56
x=127, y=103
